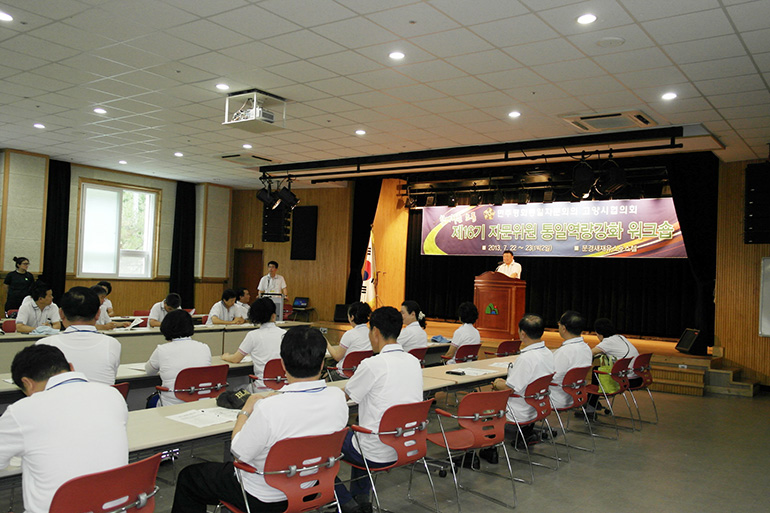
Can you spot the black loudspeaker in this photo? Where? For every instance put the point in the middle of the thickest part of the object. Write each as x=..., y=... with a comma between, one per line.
x=276, y=224
x=340, y=313
x=304, y=233
x=756, y=214
x=690, y=344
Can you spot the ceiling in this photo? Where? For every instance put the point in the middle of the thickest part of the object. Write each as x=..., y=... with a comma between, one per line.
x=153, y=66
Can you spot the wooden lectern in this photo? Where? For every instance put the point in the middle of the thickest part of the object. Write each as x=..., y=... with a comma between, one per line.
x=500, y=301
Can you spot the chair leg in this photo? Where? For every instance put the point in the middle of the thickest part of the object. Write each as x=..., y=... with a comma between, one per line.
x=564, y=431
x=614, y=420
x=655, y=408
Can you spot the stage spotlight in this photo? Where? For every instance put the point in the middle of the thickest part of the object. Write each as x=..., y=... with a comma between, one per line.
x=267, y=197
x=475, y=197
x=582, y=179
x=614, y=178
x=452, y=201
x=410, y=201
x=288, y=198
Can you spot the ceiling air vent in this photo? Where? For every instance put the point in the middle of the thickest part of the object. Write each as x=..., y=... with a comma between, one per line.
x=248, y=159
x=611, y=121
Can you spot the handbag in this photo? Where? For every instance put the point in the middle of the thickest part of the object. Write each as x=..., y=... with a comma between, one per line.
x=609, y=385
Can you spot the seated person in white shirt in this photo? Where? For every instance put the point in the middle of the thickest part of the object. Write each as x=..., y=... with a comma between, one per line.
x=66, y=427
x=356, y=339
x=467, y=334
x=107, y=303
x=159, y=310
x=509, y=268
x=179, y=353
x=40, y=311
x=573, y=353
x=90, y=352
x=413, y=335
x=263, y=343
x=615, y=345
x=222, y=312
x=305, y=407
x=103, y=322
x=242, y=302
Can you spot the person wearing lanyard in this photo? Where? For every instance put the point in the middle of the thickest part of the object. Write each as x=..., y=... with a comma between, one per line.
x=41, y=311
x=304, y=407
x=66, y=427
x=573, y=353
x=272, y=283
x=90, y=352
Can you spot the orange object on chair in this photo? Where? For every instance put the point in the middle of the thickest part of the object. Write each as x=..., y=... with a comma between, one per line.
x=196, y=383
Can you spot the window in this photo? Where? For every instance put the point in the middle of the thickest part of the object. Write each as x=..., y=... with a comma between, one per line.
x=117, y=230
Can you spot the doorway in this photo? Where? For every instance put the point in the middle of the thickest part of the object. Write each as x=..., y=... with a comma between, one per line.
x=247, y=269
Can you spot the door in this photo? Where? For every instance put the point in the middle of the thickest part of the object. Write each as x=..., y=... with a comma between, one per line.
x=247, y=269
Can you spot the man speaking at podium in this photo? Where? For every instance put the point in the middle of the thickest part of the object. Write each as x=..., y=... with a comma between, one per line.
x=509, y=268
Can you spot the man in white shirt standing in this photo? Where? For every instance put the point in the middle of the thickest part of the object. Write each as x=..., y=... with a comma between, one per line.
x=272, y=282
x=40, y=311
x=509, y=268
x=159, y=310
x=65, y=428
x=573, y=353
x=90, y=352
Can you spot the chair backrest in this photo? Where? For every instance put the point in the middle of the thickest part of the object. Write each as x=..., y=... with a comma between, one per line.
x=508, y=348
x=487, y=416
x=574, y=384
x=190, y=310
x=619, y=371
x=123, y=389
x=273, y=375
x=9, y=326
x=419, y=353
x=352, y=361
x=467, y=353
x=304, y=469
x=642, y=369
x=13, y=312
x=195, y=383
x=204, y=319
x=141, y=313
x=537, y=395
x=130, y=486
x=405, y=428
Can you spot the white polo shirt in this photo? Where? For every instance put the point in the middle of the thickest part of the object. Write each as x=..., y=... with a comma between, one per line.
x=107, y=303
x=241, y=310
x=90, y=352
x=157, y=312
x=300, y=409
x=263, y=344
x=104, y=317
x=172, y=357
x=221, y=311
x=356, y=339
x=272, y=285
x=31, y=315
x=510, y=269
x=70, y=429
x=572, y=353
x=619, y=347
x=413, y=337
x=465, y=335
x=535, y=361
x=384, y=380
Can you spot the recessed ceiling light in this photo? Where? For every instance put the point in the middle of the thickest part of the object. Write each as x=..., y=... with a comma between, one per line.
x=122, y=162
x=360, y=132
x=179, y=154
x=247, y=146
x=223, y=87
x=5, y=16
x=100, y=110
x=586, y=19
x=669, y=96
x=39, y=125
x=396, y=56
x=514, y=114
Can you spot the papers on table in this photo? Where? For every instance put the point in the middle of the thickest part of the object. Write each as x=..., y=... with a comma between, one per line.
x=471, y=371
x=133, y=323
x=205, y=417
x=502, y=365
x=135, y=366
x=8, y=380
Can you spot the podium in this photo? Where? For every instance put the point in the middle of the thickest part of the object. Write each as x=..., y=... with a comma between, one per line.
x=500, y=301
x=277, y=298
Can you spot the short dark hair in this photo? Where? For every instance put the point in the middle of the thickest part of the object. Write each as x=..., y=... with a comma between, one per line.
x=272, y=262
x=107, y=286
x=468, y=312
x=39, y=290
x=20, y=260
x=100, y=291
x=414, y=307
x=303, y=350
x=80, y=304
x=533, y=325
x=173, y=300
x=229, y=294
x=177, y=324
x=573, y=322
x=261, y=310
x=388, y=320
x=604, y=327
x=360, y=312
x=508, y=251
x=240, y=291
x=38, y=363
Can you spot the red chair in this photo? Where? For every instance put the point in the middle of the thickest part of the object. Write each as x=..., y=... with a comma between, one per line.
x=419, y=353
x=352, y=361
x=122, y=388
x=466, y=353
x=119, y=489
x=642, y=369
x=273, y=375
x=574, y=384
x=481, y=420
x=190, y=311
x=13, y=312
x=302, y=468
x=204, y=319
x=618, y=373
x=537, y=395
x=144, y=314
x=405, y=428
x=196, y=383
x=507, y=348
x=9, y=326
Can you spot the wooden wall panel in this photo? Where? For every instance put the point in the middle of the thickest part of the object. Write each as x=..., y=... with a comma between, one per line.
x=390, y=229
x=738, y=281
x=206, y=294
x=127, y=295
x=322, y=280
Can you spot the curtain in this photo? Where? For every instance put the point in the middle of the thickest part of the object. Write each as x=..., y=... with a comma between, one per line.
x=365, y=198
x=57, y=227
x=182, y=279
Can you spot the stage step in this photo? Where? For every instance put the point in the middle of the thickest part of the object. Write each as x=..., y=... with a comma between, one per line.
x=678, y=379
x=728, y=381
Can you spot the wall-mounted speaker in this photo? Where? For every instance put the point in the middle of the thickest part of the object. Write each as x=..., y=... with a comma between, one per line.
x=756, y=214
x=276, y=224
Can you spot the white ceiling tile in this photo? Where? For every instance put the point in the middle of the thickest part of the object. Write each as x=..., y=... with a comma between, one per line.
x=431, y=70
x=102, y=22
x=206, y=7
x=615, y=100
x=736, y=84
x=574, y=69
x=253, y=20
x=148, y=80
x=370, y=6
x=535, y=93
x=371, y=99
x=661, y=77
x=355, y=32
x=414, y=93
x=564, y=19
x=468, y=13
x=559, y=107
x=304, y=44
x=635, y=60
x=181, y=72
x=468, y=116
x=441, y=105
x=740, y=99
x=752, y=111
x=73, y=37
x=297, y=93
x=163, y=16
x=511, y=79
x=633, y=36
x=20, y=61
x=379, y=53
x=763, y=61
x=484, y=62
x=413, y=20
x=214, y=63
x=655, y=9
x=345, y=63
x=40, y=48
x=207, y=34
x=491, y=99
x=721, y=68
x=383, y=79
x=339, y=86
x=544, y=52
x=332, y=105
x=515, y=31
x=258, y=54
x=750, y=15
x=590, y=86
x=462, y=85
x=757, y=41
x=688, y=27
x=739, y=124
x=705, y=49
x=301, y=71
x=452, y=42
x=168, y=46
